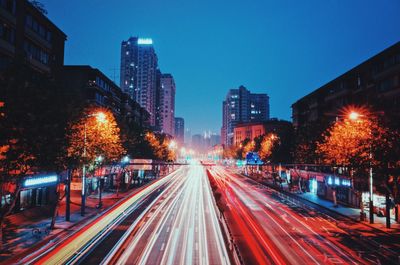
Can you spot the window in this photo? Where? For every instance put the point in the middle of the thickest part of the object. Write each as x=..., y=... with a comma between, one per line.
x=34, y=52
x=32, y=23
x=388, y=84
x=7, y=33
x=8, y=5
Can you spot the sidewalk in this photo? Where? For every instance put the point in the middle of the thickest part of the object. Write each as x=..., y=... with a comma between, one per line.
x=353, y=213
x=20, y=235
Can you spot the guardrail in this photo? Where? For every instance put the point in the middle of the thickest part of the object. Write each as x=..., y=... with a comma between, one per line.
x=237, y=258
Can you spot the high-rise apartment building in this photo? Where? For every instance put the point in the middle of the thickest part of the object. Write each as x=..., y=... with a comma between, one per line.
x=28, y=38
x=138, y=76
x=242, y=106
x=165, y=115
x=180, y=130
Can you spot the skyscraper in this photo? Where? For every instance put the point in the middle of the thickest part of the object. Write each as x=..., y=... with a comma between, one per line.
x=180, y=130
x=188, y=136
x=242, y=106
x=138, y=76
x=165, y=117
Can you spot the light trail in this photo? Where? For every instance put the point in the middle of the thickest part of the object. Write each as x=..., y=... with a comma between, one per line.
x=79, y=243
x=182, y=229
x=282, y=234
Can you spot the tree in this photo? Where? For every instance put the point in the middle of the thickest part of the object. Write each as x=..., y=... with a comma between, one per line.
x=32, y=127
x=94, y=134
x=160, y=144
x=348, y=143
x=39, y=6
x=268, y=141
x=306, y=139
x=361, y=141
x=133, y=138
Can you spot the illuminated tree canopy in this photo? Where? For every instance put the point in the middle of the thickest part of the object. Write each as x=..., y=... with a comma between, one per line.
x=266, y=146
x=102, y=137
x=160, y=145
x=360, y=142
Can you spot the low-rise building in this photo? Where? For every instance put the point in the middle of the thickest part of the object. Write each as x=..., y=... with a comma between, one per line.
x=253, y=130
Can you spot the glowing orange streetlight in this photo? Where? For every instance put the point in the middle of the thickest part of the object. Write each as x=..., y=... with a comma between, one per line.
x=172, y=145
x=354, y=115
x=100, y=118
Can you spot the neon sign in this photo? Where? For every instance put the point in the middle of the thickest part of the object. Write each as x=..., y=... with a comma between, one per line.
x=145, y=41
x=44, y=180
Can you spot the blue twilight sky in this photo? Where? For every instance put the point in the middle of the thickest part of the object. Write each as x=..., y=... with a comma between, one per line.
x=283, y=48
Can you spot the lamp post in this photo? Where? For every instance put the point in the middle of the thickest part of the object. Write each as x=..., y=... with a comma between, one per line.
x=355, y=116
x=101, y=118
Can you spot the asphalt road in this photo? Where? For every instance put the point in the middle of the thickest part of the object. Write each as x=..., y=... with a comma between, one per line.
x=181, y=228
x=91, y=244
x=270, y=230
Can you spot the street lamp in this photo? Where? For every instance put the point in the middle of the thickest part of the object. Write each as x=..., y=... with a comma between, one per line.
x=172, y=145
x=355, y=116
x=100, y=118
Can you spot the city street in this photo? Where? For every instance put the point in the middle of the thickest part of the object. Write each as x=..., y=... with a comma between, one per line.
x=98, y=237
x=172, y=221
x=203, y=132
x=271, y=230
x=181, y=228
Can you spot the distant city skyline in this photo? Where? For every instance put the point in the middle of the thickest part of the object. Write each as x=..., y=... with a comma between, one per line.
x=285, y=50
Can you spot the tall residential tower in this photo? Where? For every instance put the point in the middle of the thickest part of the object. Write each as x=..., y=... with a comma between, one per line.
x=165, y=117
x=138, y=76
x=242, y=106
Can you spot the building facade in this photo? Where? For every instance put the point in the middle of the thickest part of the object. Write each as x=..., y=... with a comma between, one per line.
x=138, y=73
x=240, y=106
x=253, y=130
x=31, y=53
x=374, y=84
x=89, y=86
x=180, y=130
x=29, y=38
x=165, y=115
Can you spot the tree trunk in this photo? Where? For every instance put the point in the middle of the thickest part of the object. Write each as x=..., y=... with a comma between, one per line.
x=55, y=209
x=387, y=209
x=68, y=197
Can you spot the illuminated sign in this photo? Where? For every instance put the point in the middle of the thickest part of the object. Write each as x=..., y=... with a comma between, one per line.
x=145, y=41
x=40, y=181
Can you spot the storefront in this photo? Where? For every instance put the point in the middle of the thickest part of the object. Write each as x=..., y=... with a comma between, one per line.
x=37, y=190
x=340, y=186
x=379, y=204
